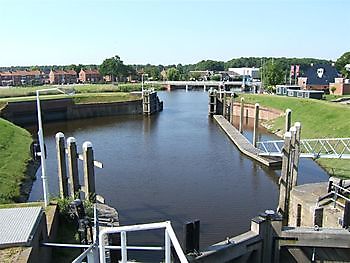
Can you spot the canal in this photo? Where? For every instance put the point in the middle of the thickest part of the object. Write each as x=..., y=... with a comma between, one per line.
x=177, y=165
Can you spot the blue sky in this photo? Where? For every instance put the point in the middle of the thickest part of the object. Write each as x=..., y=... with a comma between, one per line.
x=38, y=32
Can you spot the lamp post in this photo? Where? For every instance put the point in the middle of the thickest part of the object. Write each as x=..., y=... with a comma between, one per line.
x=42, y=144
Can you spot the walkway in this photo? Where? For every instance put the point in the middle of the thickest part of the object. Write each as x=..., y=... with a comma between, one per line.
x=244, y=145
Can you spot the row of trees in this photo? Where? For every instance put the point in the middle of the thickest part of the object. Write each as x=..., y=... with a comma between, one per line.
x=275, y=70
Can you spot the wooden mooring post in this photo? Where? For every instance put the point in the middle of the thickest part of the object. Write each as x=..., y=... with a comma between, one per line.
x=232, y=101
x=61, y=161
x=73, y=168
x=283, y=181
x=256, y=124
x=89, y=172
x=212, y=102
x=289, y=172
x=192, y=237
x=241, y=116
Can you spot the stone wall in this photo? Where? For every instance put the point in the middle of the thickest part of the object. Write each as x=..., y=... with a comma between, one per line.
x=264, y=113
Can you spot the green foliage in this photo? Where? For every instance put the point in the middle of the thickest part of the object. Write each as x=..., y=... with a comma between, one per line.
x=195, y=75
x=341, y=62
x=14, y=157
x=216, y=77
x=333, y=89
x=319, y=119
x=173, y=74
x=114, y=67
x=153, y=72
x=272, y=74
x=210, y=65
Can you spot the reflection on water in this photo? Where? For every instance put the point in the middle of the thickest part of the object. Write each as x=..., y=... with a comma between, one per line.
x=177, y=165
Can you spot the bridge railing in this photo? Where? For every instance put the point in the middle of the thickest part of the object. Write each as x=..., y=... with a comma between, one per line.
x=332, y=148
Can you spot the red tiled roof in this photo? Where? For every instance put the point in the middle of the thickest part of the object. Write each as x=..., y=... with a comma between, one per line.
x=64, y=72
x=91, y=71
x=21, y=73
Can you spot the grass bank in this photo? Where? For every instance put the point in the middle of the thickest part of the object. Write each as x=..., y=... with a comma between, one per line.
x=78, y=98
x=79, y=88
x=14, y=157
x=319, y=119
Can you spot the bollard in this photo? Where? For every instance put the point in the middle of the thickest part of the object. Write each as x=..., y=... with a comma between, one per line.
x=73, y=167
x=256, y=124
x=62, y=169
x=89, y=172
x=288, y=119
x=241, y=116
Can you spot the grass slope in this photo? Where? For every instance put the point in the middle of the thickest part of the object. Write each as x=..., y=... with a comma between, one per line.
x=79, y=88
x=14, y=155
x=319, y=119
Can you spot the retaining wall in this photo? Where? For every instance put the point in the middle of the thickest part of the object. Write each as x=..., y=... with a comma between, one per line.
x=264, y=113
x=25, y=112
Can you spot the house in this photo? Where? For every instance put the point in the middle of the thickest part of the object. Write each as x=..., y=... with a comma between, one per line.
x=89, y=76
x=283, y=89
x=295, y=91
x=21, y=77
x=318, y=77
x=341, y=85
x=63, y=77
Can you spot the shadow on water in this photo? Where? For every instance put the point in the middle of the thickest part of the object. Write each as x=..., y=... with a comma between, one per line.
x=177, y=165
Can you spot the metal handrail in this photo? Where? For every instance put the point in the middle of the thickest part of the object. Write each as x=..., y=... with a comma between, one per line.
x=170, y=237
x=333, y=148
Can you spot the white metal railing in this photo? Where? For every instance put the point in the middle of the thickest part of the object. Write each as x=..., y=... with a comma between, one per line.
x=170, y=237
x=332, y=148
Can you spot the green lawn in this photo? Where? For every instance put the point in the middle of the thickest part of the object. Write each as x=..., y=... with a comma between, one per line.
x=14, y=156
x=319, y=119
x=78, y=98
x=79, y=88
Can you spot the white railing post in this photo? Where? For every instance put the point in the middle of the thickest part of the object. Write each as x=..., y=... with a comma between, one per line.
x=167, y=247
x=123, y=247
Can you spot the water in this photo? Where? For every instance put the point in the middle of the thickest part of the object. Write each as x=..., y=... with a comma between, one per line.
x=177, y=165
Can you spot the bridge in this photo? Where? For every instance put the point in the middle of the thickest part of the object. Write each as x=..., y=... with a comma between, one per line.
x=206, y=84
x=331, y=148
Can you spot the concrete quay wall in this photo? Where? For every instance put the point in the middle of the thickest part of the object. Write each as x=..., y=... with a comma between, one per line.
x=25, y=112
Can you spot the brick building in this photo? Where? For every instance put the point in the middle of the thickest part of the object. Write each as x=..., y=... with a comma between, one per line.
x=63, y=77
x=21, y=77
x=90, y=76
x=341, y=85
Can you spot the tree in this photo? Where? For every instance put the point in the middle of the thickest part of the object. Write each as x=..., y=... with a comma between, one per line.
x=341, y=62
x=173, y=74
x=333, y=89
x=273, y=75
x=210, y=65
x=113, y=67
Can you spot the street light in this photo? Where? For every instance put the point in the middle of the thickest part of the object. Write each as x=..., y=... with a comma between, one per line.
x=143, y=74
x=42, y=144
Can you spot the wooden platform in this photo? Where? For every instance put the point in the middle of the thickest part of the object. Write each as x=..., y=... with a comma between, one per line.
x=244, y=145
